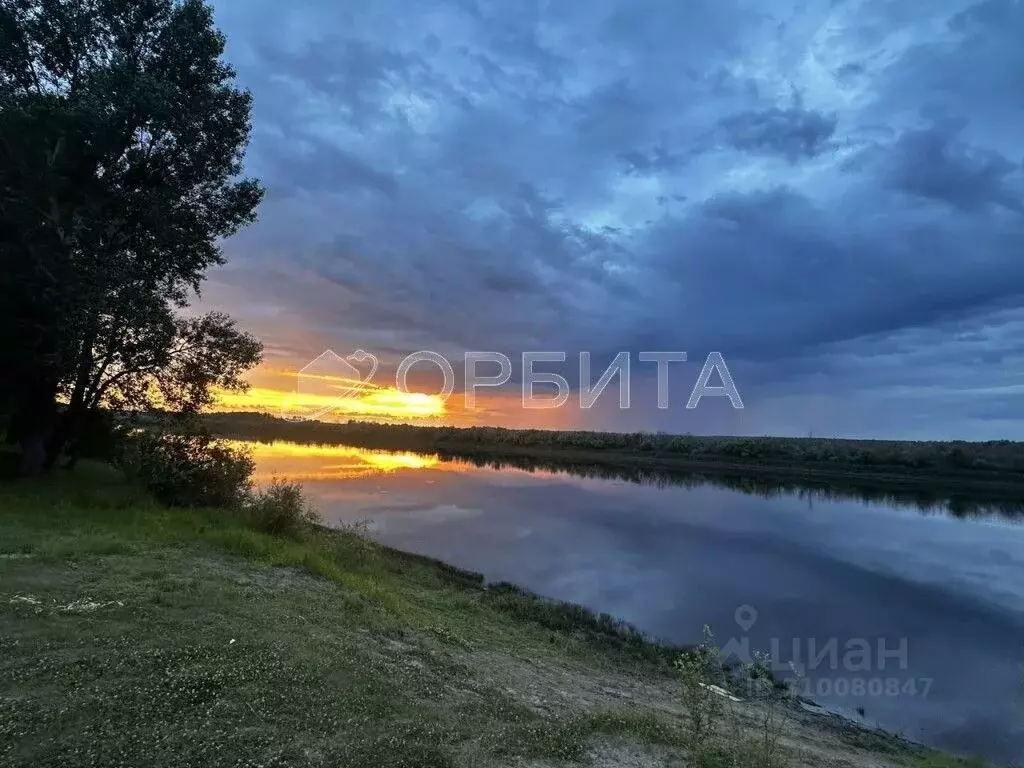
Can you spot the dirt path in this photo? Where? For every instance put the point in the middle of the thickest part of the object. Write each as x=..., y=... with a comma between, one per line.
x=565, y=690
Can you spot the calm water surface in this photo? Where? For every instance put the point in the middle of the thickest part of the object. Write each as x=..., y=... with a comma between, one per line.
x=925, y=609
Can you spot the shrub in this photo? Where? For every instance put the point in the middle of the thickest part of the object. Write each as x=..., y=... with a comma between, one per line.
x=188, y=470
x=98, y=437
x=280, y=509
x=713, y=731
x=700, y=671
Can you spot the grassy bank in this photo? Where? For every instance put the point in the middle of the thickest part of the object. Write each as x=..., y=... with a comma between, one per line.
x=991, y=471
x=134, y=634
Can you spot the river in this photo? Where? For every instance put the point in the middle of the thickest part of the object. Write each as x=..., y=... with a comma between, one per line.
x=896, y=612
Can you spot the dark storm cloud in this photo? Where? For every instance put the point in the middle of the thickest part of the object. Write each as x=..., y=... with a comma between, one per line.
x=932, y=163
x=798, y=185
x=308, y=163
x=352, y=73
x=794, y=133
x=658, y=160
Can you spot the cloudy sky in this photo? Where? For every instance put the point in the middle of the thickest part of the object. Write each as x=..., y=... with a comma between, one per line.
x=828, y=192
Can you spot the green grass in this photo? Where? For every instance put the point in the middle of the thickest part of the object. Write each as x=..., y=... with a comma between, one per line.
x=133, y=634
x=329, y=650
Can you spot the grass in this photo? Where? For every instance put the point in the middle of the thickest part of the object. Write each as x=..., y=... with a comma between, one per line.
x=134, y=634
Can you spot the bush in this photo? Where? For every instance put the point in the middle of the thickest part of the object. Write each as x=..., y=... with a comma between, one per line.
x=281, y=510
x=98, y=437
x=188, y=470
x=713, y=731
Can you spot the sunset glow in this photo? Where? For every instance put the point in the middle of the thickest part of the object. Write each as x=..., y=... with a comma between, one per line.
x=382, y=402
x=306, y=462
x=275, y=389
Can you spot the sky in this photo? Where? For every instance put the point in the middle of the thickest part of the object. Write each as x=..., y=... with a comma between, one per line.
x=829, y=193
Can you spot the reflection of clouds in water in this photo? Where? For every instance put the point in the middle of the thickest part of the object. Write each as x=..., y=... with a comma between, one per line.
x=976, y=558
x=671, y=558
x=404, y=520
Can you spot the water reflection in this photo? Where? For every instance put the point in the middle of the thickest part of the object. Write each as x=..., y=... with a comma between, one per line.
x=767, y=487
x=670, y=551
x=302, y=462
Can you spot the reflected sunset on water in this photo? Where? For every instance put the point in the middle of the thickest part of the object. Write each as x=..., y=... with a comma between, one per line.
x=298, y=462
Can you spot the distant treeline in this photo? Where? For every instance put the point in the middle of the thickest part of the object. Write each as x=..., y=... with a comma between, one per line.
x=995, y=455
x=925, y=500
x=891, y=464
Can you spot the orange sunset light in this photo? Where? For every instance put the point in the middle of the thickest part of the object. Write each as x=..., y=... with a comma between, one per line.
x=305, y=462
x=374, y=402
x=287, y=392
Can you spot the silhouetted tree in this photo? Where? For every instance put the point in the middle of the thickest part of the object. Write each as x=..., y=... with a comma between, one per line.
x=122, y=136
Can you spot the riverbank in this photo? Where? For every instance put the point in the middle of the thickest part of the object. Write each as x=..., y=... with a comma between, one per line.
x=133, y=634
x=991, y=472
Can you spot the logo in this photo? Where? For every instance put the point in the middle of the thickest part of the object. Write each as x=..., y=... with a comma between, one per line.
x=830, y=667
x=330, y=378
x=332, y=383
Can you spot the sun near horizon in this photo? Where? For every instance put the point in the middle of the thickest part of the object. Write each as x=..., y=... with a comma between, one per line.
x=275, y=390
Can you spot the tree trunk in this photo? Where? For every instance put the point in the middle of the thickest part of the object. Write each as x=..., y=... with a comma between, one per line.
x=34, y=419
x=33, y=455
x=69, y=425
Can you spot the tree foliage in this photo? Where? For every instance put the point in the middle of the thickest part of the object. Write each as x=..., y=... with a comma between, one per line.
x=122, y=136
x=188, y=470
x=171, y=362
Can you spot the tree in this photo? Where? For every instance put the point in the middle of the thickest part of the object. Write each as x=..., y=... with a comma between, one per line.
x=176, y=364
x=122, y=137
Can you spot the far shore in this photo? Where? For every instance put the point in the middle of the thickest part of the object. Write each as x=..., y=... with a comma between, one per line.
x=991, y=471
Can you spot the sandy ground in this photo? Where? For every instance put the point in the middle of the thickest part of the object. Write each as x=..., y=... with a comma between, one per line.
x=810, y=739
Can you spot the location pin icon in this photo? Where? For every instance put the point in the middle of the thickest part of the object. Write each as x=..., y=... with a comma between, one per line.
x=746, y=617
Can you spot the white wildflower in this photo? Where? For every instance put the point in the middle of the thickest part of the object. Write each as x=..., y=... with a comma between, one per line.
x=720, y=691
